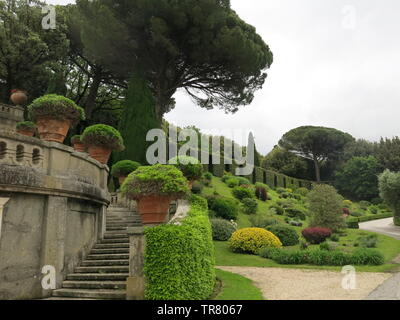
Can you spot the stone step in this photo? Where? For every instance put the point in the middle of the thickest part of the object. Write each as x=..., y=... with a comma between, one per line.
x=94, y=294
x=115, y=285
x=90, y=263
x=98, y=276
x=107, y=241
x=112, y=229
x=118, y=231
x=109, y=235
x=111, y=245
x=124, y=220
x=109, y=251
x=122, y=223
x=102, y=269
x=105, y=256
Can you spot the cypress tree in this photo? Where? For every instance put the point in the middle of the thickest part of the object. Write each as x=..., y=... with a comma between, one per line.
x=138, y=118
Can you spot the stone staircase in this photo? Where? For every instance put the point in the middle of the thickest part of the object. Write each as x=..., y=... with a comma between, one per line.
x=103, y=274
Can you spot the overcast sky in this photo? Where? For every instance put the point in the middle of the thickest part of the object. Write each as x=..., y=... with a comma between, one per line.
x=336, y=64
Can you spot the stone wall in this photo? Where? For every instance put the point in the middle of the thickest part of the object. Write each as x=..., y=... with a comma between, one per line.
x=52, y=210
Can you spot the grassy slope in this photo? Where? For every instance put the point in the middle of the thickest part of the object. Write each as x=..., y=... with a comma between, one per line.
x=236, y=287
x=389, y=247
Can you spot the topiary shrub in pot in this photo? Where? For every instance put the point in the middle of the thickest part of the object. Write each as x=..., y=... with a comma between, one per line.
x=123, y=168
x=191, y=168
x=54, y=115
x=101, y=140
x=154, y=187
x=77, y=143
x=26, y=128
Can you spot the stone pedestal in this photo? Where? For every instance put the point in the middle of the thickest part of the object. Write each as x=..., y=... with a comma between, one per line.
x=135, y=285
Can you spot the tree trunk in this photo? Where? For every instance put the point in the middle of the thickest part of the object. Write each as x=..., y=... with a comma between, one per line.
x=91, y=99
x=317, y=170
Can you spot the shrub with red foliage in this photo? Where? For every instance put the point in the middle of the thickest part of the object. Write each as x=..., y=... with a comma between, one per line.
x=346, y=211
x=316, y=235
x=261, y=194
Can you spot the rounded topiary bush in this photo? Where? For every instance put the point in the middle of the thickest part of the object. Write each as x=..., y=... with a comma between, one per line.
x=249, y=206
x=287, y=235
x=232, y=182
x=124, y=168
x=191, y=168
x=103, y=135
x=225, y=208
x=158, y=180
x=241, y=193
x=316, y=235
x=243, y=181
x=222, y=229
x=251, y=240
x=57, y=107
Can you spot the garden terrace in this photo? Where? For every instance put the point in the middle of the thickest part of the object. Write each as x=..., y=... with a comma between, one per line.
x=53, y=202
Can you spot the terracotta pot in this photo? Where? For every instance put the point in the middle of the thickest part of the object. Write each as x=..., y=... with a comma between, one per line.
x=121, y=180
x=79, y=146
x=154, y=209
x=19, y=98
x=99, y=153
x=27, y=133
x=51, y=129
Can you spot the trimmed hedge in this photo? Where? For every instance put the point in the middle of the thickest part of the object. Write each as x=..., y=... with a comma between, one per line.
x=179, y=259
x=323, y=257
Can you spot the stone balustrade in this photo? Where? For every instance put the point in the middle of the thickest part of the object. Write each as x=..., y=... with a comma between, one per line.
x=10, y=116
x=53, y=203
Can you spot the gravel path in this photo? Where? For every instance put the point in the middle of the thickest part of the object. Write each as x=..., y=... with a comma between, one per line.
x=383, y=226
x=299, y=284
x=390, y=289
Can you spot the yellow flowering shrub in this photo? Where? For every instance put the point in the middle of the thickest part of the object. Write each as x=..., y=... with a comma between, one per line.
x=251, y=240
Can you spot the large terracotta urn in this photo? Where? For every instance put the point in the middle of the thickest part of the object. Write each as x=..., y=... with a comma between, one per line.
x=52, y=129
x=99, y=153
x=154, y=209
x=19, y=97
x=26, y=132
x=79, y=146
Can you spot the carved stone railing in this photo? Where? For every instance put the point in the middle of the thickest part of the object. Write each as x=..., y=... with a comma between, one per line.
x=10, y=116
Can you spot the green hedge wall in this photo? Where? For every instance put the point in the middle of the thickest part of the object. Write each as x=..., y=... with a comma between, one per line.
x=179, y=260
x=258, y=176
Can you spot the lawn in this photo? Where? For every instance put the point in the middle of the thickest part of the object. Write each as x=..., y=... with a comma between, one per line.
x=225, y=257
x=388, y=246
x=236, y=287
